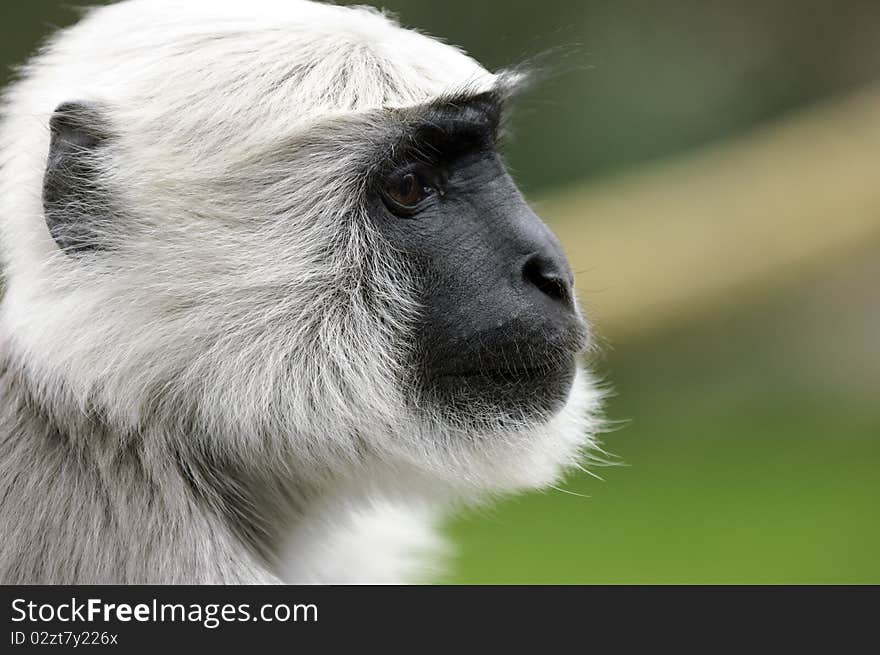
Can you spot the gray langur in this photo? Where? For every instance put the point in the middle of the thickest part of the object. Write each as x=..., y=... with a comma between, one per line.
x=272, y=303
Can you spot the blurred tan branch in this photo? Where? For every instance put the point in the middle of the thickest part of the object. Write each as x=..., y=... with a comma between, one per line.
x=676, y=237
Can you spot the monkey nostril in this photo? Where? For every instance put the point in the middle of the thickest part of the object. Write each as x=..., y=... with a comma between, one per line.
x=544, y=274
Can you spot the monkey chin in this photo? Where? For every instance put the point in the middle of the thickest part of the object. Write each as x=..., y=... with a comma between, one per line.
x=516, y=456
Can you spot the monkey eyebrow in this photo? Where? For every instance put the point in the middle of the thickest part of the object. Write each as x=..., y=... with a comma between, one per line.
x=447, y=127
x=438, y=130
x=484, y=109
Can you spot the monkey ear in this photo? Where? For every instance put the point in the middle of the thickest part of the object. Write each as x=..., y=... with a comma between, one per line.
x=75, y=201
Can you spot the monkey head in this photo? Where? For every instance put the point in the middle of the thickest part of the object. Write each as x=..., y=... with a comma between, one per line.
x=283, y=231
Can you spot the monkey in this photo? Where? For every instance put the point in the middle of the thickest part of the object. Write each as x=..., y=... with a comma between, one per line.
x=274, y=306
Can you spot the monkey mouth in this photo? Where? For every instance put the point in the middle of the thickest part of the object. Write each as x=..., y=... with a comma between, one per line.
x=514, y=388
x=516, y=361
x=512, y=374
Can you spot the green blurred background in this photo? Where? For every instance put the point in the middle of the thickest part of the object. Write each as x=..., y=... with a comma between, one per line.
x=712, y=169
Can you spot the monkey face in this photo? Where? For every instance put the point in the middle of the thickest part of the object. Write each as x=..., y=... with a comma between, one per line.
x=499, y=327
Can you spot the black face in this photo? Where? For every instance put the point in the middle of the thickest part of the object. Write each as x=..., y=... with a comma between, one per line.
x=499, y=328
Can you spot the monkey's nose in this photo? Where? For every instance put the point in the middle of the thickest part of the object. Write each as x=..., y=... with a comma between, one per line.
x=551, y=275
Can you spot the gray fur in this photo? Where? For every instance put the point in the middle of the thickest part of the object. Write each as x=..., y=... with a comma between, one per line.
x=83, y=504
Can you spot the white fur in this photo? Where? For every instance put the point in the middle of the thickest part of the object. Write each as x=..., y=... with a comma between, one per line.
x=379, y=542
x=243, y=128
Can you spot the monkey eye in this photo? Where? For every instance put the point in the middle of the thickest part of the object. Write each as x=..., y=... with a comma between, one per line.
x=406, y=190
